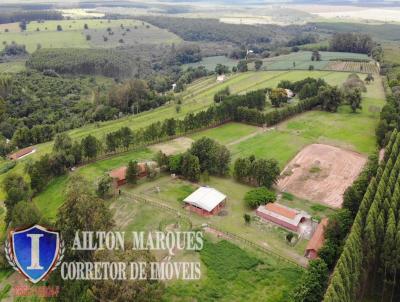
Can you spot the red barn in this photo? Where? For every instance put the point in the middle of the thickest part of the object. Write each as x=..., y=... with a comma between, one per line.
x=282, y=215
x=317, y=240
x=205, y=201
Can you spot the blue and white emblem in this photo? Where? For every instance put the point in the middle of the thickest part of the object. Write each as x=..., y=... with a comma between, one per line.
x=34, y=252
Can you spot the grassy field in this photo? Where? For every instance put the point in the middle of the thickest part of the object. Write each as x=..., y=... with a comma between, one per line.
x=234, y=274
x=344, y=129
x=73, y=34
x=227, y=133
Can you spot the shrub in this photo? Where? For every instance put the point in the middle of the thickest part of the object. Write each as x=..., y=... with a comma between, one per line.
x=259, y=196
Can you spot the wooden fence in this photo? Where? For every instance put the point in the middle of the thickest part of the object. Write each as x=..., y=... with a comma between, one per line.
x=229, y=235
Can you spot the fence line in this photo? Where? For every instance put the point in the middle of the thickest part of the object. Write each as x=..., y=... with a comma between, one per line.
x=230, y=235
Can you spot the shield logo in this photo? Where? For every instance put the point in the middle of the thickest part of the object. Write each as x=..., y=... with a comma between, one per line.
x=35, y=251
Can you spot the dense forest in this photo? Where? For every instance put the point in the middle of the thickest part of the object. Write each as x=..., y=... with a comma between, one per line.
x=35, y=106
x=107, y=62
x=213, y=30
x=31, y=15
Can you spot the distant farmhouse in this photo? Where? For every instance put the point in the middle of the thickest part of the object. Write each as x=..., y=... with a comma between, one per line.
x=205, y=201
x=21, y=153
x=283, y=216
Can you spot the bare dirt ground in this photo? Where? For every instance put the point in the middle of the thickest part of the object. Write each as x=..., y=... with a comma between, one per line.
x=321, y=173
x=177, y=145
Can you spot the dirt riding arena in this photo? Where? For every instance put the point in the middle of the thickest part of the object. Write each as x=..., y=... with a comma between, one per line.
x=175, y=146
x=321, y=173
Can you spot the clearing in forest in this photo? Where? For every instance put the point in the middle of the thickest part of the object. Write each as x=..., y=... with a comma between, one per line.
x=321, y=173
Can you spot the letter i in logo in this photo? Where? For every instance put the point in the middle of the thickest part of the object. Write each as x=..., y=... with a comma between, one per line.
x=35, y=251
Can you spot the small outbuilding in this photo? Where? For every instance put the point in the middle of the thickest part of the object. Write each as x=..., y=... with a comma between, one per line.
x=119, y=174
x=221, y=78
x=205, y=201
x=283, y=216
x=21, y=153
x=317, y=240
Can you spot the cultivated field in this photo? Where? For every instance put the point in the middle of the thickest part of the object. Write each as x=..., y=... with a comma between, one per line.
x=329, y=61
x=321, y=173
x=362, y=67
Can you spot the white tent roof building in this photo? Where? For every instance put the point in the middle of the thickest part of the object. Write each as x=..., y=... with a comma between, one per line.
x=205, y=198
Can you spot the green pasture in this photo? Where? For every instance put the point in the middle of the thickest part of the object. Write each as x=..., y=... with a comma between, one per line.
x=53, y=39
x=227, y=133
x=78, y=24
x=73, y=34
x=355, y=131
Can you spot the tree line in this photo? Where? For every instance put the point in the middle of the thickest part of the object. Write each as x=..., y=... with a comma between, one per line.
x=32, y=15
x=369, y=262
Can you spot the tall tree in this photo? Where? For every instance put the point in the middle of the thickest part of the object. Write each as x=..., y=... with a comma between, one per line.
x=132, y=172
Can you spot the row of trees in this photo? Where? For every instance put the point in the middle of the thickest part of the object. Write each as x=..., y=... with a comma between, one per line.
x=371, y=250
x=313, y=285
x=352, y=42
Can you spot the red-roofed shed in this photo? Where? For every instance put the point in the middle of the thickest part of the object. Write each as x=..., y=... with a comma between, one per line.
x=317, y=240
x=21, y=153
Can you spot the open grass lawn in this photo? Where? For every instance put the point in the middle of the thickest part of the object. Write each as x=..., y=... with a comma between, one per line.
x=227, y=133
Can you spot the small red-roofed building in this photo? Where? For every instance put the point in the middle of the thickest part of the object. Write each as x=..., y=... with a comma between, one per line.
x=283, y=216
x=317, y=240
x=21, y=153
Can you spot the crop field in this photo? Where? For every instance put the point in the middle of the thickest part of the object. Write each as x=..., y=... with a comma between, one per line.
x=362, y=67
x=102, y=32
x=302, y=60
